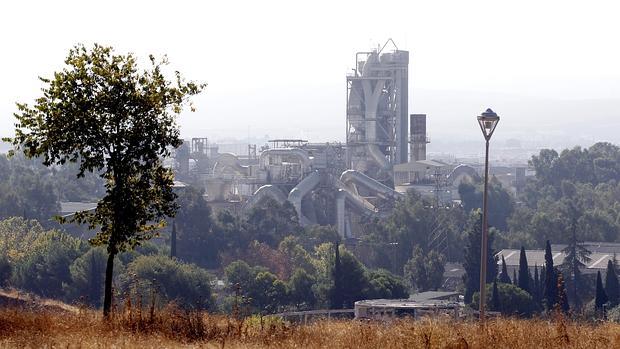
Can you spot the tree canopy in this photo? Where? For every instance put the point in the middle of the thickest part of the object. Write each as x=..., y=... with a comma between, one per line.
x=106, y=115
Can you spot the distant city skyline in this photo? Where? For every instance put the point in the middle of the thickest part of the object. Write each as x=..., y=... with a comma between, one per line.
x=549, y=69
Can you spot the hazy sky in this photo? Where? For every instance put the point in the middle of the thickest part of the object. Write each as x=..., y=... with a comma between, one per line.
x=551, y=68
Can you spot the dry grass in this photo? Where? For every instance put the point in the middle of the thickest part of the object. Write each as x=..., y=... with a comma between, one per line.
x=171, y=327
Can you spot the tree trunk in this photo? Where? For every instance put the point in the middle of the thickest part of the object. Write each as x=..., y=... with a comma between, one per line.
x=107, y=298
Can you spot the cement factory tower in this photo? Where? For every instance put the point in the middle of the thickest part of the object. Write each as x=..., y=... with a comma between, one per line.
x=377, y=115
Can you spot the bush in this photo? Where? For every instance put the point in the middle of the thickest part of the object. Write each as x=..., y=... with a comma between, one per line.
x=613, y=314
x=512, y=300
x=384, y=284
x=87, y=276
x=169, y=280
x=45, y=268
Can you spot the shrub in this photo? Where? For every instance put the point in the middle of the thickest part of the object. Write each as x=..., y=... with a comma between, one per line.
x=169, y=280
x=512, y=299
x=45, y=268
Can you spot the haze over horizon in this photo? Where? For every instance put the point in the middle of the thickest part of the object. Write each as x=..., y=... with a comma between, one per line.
x=549, y=69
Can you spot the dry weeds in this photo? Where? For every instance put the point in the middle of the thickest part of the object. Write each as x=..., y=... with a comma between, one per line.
x=171, y=327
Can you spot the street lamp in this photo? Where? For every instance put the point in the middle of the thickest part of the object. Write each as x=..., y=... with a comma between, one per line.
x=487, y=121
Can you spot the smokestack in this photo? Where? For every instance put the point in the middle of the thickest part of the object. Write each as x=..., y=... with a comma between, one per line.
x=418, y=139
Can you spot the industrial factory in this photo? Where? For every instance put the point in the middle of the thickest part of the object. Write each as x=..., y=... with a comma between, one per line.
x=334, y=183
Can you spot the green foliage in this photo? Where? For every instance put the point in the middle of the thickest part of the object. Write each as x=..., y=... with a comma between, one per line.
x=612, y=288
x=87, y=275
x=524, y=272
x=551, y=280
x=17, y=237
x=575, y=193
x=385, y=285
x=271, y=222
x=601, y=296
x=45, y=269
x=268, y=293
x=614, y=314
x=198, y=240
x=501, y=204
x=562, y=299
x=101, y=112
x=27, y=189
x=169, y=280
x=471, y=279
x=301, y=294
x=297, y=256
x=512, y=300
x=424, y=272
x=503, y=276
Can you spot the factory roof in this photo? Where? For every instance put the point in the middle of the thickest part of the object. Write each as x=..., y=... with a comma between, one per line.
x=71, y=207
x=419, y=165
x=406, y=303
x=432, y=295
x=598, y=260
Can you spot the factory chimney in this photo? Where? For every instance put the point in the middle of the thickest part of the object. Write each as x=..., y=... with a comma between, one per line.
x=417, y=137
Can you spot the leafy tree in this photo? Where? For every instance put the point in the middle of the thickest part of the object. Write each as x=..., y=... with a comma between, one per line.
x=18, y=236
x=425, y=272
x=551, y=281
x=350, y=281
x=501, y=203
x=268, y=292
x=503, y=276
x=471, y=265
x=296, y=255
x=612, y=289
x=187, y=285
x=87, y=275
x=198, y=240
x=45, y=269
x=102, y=112
x=512, y=300
x=601, y=296
x=241, y=274
x=272, y=222
x=576, y=254
x=383, y=284
x=524, y=272
x=300, y=289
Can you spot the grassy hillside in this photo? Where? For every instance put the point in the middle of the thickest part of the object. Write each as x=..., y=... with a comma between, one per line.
x=132, y=328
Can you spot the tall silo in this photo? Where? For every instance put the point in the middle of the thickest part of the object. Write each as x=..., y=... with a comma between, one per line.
x=377, y=111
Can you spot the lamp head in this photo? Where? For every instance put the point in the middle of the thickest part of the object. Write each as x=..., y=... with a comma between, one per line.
x=488, y=121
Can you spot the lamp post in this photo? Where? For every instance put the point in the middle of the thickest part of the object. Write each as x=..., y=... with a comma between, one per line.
x=487, y=121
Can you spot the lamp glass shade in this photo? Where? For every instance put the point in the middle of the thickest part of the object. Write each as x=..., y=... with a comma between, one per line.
x=488, y=121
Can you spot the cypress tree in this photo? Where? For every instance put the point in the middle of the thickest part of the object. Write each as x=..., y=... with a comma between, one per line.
x=612, y=289
x=536, y=287
x=562, y=299
x=551, y=282
x=515, y=280
x=524, y=272
x=337, y=298
x=495, y=301
x=601, y=296
x=471, y=263
x=503, y=276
